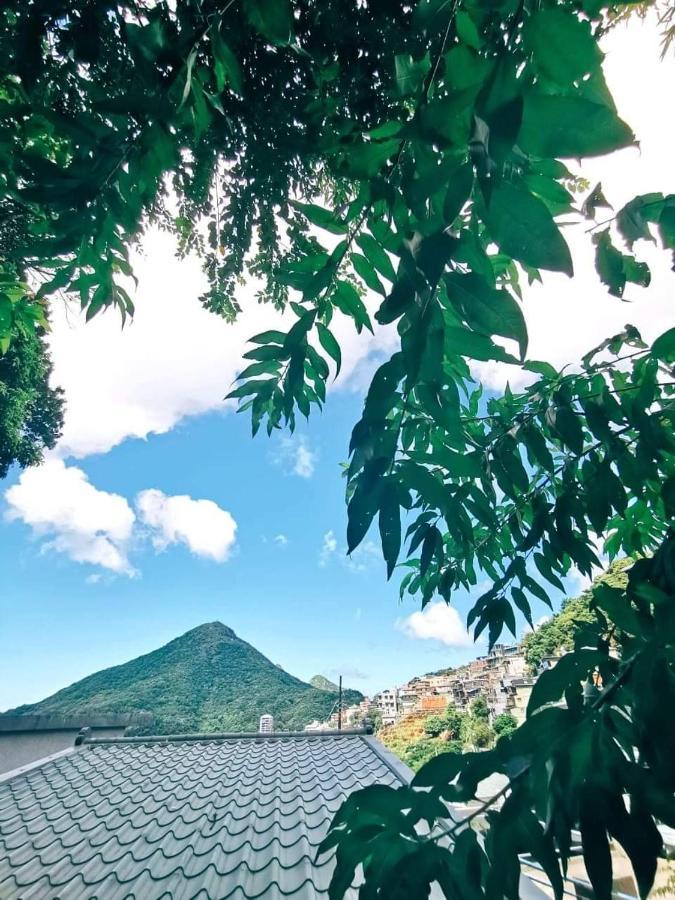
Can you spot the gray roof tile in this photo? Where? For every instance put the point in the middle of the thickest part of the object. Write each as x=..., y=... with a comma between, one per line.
x=237, y=818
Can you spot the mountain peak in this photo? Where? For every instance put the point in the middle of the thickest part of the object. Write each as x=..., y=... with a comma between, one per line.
x=208, y=679
x=211, y=629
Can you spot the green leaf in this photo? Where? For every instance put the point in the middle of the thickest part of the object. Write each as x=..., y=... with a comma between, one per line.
x=567, y=426
x=667, y=226
x=562, y=45
x=360, y=513
x=450, y=117
x=323, y=218
x=269, y=337
x=366, y=271
x=273, y=19
x=486, y=309
x=664, y=346
x=458, y=192
x=390, y=524
x=376, y=256
x=609, y=264
x=348, y=301
x=466, y=30
x=364, y=160
x=410, y=73
x=597, y=855
x=557, y=126
x=330, y=345
x=225, y=64
x=523, y=227
x=463, y=342
x=615, y=603
x=571, y=669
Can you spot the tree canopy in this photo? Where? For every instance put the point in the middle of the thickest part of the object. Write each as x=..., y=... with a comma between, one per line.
x=424, y=152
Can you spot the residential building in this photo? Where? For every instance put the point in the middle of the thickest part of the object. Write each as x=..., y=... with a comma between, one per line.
x=387, y=703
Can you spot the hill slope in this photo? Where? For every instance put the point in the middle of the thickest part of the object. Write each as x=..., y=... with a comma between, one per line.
x=323, y=683
x=206, y=680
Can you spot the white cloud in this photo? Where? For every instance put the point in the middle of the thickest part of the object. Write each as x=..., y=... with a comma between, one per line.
x=295, y=456
x=205, y=528
x=328, y=548
x=438, y=622
x=61, y=505
x=281, y=540
x=174, y=359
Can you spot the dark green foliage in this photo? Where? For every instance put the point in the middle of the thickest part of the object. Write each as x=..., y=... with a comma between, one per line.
x=417, y=753
x=479, y=709
x=206, y=680
x=434, y=725
x=504, y=724
x=31, y=412
x=572, y=764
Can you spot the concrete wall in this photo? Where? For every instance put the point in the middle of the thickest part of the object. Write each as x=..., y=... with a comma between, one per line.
x=18, y=748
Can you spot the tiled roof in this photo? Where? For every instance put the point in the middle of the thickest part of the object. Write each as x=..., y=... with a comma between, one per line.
x=233, y=817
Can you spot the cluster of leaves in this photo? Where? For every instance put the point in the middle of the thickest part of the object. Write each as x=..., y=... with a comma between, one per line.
x=31, y=412
x=557, y=633
x=205, y=118
x=595, y=752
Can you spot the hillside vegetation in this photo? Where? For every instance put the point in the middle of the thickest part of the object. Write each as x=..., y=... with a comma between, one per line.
x=206, y=680
x=323, y=683
x=557, y=634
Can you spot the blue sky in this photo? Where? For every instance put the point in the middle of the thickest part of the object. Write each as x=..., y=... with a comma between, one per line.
x=310, y=610
x=157, y=512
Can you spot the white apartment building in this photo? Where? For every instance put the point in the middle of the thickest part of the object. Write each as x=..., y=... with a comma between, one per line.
x=388, y=704
x=266, y=724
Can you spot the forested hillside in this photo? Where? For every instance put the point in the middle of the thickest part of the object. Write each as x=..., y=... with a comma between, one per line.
x=206, y=680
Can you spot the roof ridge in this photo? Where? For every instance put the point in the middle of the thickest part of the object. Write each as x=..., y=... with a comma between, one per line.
x=214, y=737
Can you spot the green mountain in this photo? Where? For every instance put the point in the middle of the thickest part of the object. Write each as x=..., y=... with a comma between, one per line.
x=323, y=683
x=206, y=680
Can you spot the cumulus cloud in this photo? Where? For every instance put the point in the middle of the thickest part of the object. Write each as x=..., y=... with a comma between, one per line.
x=203, y=526
x=438, y=622
x=61, y=506
x=280, y=539
x=174, y=359
x=295, y=456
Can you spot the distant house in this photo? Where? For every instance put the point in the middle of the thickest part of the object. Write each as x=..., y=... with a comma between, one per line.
x=387, y=703
x=205, y=816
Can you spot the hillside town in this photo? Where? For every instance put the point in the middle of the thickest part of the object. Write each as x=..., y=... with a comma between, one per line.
x=501, y=677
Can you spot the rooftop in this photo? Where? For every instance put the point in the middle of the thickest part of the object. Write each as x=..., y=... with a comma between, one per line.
x=208, y=816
